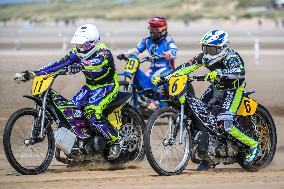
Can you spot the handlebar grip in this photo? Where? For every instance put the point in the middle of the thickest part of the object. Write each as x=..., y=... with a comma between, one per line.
x=199, y=78
x=145, y=59
x=122, y=57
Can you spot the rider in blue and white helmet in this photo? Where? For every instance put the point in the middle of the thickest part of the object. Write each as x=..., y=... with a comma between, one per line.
x=227, y=74
x=215, y=45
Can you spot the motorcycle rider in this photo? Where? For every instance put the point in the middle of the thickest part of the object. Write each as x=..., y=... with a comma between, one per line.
x=162, y=50
x=95, y=60
x=228, y=78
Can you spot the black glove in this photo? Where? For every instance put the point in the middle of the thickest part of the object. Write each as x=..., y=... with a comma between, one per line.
x=24, y=76
x=122, y=57
x=74, y=68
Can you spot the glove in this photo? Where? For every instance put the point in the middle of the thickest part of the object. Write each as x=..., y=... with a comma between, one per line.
x=74, y=68
x=167, y=55
x=24, y=76
x=158, y=81
x=211, y=76
x=121, y=57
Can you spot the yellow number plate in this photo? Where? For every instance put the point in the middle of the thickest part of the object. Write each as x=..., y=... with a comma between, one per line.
x=41, y=83
x=115, y=118
x=248, y=107
x=177, y=85
x=131, y=65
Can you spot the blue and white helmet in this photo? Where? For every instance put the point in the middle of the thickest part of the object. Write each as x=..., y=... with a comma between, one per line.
x=214, y=45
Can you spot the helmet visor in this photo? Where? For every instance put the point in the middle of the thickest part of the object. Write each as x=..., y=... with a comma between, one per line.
x=86, y=46
x=212, y=50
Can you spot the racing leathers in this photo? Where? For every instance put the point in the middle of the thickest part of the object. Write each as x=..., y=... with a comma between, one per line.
x=100, y=89
x=162, y=57
x=228, y=89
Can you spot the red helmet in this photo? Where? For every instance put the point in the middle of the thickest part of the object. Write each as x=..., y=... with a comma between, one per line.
x=158, y=29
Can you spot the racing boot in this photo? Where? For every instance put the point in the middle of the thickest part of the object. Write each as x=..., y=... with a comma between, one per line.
x=253, y=154
x=254, y=146
x=115, y=149
x=203, y=166
x=152, y=105
x=111, y=135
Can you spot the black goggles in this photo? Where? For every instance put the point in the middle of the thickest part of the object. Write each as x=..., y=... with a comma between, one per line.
x=212, y=50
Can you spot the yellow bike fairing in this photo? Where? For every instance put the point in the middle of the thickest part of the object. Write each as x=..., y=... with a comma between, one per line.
x=177, y=85
x=41, y=84
x=131, y=65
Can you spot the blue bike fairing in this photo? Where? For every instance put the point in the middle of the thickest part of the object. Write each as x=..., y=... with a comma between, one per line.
x=146, y=82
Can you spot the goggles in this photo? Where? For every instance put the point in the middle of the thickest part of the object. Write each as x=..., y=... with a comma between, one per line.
x=157, y=29
x=86, y=46
x=212, y=50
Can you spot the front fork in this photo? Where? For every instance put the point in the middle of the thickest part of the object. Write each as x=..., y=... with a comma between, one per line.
x=180, y=127
x=41, y=116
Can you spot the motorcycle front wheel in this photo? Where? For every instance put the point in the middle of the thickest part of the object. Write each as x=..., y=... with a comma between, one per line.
x=167, y=151
x=26, y=152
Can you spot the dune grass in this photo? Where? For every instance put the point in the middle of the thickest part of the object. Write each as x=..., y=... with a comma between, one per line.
x=134, y=9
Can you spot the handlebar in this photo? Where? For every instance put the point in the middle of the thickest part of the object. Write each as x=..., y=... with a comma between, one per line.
x=198, y=77
x=123, y=57
x=145, y=59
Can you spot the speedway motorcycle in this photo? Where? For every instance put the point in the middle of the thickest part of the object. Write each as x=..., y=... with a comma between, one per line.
x=187, y=129
x=130, y=83
x=30, y=142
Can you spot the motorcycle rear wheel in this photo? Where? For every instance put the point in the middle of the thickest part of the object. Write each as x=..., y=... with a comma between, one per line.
x=266, y=132
x=132, y=128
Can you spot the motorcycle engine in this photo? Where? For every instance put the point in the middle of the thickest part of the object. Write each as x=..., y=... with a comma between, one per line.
x=212, y=149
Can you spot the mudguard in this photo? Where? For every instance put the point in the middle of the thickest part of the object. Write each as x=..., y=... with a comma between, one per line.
x=37, y=100
x=50, y=109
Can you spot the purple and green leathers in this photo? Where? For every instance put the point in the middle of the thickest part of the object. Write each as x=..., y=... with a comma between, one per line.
x=100, y=90
x=94, y=99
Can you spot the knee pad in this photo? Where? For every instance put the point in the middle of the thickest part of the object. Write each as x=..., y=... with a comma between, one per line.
x=91, y=113
x=227, y=120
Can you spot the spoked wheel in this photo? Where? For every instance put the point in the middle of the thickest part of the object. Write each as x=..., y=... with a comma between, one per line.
x=27, y=154
x=132, y=130
x=167, y=151
x=265, y=131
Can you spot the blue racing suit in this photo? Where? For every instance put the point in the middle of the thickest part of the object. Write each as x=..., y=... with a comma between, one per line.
x=159, y=63
x=100, y=89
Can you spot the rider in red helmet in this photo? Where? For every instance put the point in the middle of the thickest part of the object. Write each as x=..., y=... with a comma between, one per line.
x=162, y=50
x=158, y=29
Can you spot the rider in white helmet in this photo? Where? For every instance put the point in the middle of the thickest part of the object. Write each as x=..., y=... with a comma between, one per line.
x=95, y=60
x=228, y=79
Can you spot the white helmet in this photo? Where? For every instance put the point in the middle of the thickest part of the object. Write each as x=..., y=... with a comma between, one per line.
x=86, y=39
x=214, y=45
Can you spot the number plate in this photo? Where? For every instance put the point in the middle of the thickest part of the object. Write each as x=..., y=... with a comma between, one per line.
x=177, y=85
x=131, y=65
x=115, y=118
x=41, y=84
x=248, y=107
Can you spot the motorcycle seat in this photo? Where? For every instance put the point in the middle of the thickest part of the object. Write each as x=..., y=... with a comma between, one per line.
x=248, y=93
x=121, y=98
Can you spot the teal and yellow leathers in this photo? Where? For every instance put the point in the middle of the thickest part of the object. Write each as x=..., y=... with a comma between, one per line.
x=231, y=84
